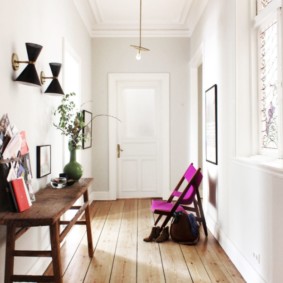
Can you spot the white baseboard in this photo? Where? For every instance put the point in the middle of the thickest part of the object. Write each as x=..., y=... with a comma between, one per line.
x=100, y=195
x=106, y=195
x=244, y=267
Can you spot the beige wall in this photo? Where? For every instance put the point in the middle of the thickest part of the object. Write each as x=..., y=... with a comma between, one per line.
x=166, y=55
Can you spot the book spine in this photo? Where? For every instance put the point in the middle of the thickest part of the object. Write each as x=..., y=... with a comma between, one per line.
x=12, y=197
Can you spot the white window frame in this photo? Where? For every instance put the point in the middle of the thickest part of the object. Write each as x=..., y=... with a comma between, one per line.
x=267, y=15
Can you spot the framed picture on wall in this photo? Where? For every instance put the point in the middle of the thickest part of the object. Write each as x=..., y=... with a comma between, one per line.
x=87, y=130
x=43, y=160
x=211, y=124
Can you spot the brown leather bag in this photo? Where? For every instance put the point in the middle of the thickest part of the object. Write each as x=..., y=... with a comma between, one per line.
x=184, y=228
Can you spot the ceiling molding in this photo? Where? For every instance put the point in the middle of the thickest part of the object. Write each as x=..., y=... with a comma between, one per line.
x=195, y=13
x=128, y=33
x=181, y=25
x=185, y=12
x=86, y=14
x=96, y=11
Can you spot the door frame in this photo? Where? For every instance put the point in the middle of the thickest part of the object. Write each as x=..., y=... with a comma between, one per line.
x=195, y=125
x=114, y=79
x=196, y=149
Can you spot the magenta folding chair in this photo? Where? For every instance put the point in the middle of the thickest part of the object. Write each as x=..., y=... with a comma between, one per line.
x=185, y=197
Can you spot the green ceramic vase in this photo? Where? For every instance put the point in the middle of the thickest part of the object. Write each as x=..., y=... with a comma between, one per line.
x=73, y=169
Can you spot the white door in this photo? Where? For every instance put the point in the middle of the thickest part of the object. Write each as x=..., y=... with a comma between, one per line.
x=141, y=158
x=138, y=137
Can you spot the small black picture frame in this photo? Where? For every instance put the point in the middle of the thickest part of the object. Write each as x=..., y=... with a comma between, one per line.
x=211, y=141
x=43, y=160
x=87, y=130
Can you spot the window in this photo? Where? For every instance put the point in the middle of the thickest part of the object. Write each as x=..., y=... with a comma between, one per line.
x=269, y=81
x=261, y=4
x=268, y=77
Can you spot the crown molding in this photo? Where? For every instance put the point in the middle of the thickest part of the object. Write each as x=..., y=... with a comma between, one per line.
x=134, y=33
x=85, y=12
x=184, y=26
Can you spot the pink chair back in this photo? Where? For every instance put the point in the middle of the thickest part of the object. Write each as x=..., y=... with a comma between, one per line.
x=189, y=174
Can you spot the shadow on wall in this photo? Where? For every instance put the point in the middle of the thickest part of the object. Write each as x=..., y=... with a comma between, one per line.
x=212, y=185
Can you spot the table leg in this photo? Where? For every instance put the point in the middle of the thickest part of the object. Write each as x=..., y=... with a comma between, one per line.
x=10, y=247
x=88, y=226
x=55, y=251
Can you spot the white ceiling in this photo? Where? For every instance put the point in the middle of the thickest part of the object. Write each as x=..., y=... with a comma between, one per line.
x=160, y=18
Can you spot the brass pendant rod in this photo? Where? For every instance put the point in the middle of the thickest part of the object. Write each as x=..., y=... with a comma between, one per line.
x=140, y=20
x=139, y=47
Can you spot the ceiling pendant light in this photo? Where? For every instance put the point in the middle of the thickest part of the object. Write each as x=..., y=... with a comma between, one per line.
x=139, y=47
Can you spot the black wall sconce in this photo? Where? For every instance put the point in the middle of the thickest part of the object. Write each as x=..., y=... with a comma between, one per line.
x=54, y=87
x=29, y=74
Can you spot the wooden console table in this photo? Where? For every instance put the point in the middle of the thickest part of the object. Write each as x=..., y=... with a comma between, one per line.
x=47, y=210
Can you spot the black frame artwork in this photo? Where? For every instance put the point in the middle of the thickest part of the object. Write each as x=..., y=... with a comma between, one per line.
x=87, y=130
x=211, y=141
x=43, y=160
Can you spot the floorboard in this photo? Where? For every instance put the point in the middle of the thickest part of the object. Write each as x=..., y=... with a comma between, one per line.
x=149, y=263
x=121, y=255
x=124, y=265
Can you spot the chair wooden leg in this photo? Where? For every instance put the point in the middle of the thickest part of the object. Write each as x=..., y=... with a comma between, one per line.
x=200, y=209
x=197, y=210
x=203, y=221
x=157, y=220
x=165, y=222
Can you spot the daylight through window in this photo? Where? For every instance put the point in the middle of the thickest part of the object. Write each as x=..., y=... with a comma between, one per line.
x=269, y=88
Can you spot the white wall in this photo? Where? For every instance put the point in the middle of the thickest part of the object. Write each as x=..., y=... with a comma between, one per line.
x=166, y=55
x=45, y=23
x=243, y=201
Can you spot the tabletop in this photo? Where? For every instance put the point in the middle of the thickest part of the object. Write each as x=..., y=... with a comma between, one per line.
x=49, y=205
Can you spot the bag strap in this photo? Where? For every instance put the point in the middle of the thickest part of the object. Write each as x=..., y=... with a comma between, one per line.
x=176, y=216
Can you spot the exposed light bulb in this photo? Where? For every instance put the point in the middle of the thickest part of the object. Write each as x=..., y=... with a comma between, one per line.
x=138, y=56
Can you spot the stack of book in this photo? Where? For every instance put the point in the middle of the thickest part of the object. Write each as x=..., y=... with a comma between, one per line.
x=19, y=195
x=15, y=168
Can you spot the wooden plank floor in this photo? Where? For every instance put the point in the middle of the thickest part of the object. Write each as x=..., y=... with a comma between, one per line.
x=121, y=255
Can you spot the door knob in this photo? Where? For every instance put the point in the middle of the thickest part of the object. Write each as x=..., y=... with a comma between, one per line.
x=119, y=150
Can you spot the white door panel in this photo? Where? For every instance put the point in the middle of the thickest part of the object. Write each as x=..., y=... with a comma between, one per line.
x=148, y=175
x=128, y=175
x=138, y=112
x=138, y=148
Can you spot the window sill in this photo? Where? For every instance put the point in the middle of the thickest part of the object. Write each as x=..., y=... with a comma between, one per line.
x=267, y=163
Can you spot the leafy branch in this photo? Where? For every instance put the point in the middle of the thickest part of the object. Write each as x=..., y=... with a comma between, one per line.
x=71, y=121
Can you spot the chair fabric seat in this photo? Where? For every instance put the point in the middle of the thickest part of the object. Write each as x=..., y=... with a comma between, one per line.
x=189, y=196
x=165, y=206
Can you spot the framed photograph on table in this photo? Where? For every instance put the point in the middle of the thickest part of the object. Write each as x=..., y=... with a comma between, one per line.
x=43, y=160
x=87, y=130
x=211, y=125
